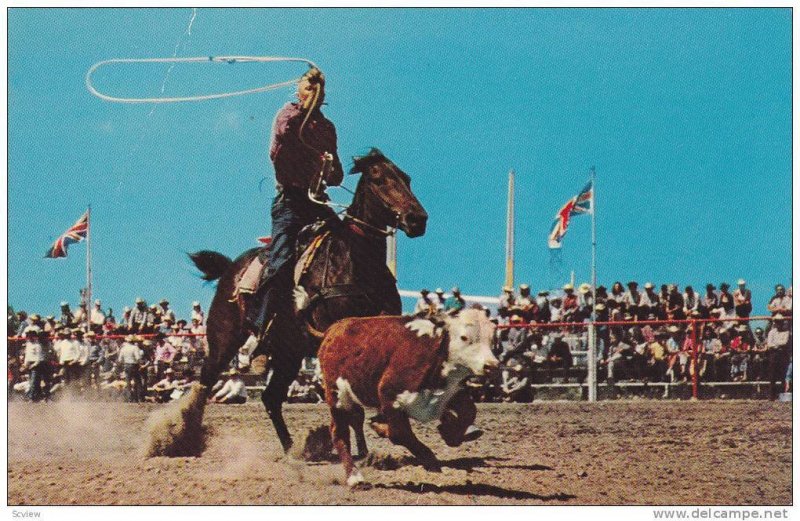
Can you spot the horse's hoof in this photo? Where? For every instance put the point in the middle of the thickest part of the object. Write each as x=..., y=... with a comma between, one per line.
x=356, y=481
x=472, y=433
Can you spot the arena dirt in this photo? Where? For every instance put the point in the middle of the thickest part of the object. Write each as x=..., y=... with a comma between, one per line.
x=643, y=452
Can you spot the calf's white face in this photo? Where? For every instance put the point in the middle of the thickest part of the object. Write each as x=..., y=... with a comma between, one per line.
x=471, y=334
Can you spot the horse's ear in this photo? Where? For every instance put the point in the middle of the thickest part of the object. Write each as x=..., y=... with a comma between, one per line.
x=356, y=168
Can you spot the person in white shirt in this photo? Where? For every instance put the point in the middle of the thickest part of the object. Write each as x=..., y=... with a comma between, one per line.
x=778, y=350
x=197, y=312
x=97, y=318
x=163, y=388
x=34, y=362
x=234, y=390
x=129, y=357
x=67, y=351
x=166, y=312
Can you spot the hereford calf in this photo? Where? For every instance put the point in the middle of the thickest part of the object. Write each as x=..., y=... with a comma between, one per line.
x=402, y=366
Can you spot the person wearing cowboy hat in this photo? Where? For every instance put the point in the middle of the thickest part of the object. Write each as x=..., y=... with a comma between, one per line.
x=197, y=312
x=454, y=302
x=691, y=302
x=140, y=320
x=128, y=360
x=304, y=155
x=649, y=301
x=67, y=318
x=542, y=314
x=518, y=339
x=505, y=301
x=424, y=306
x=569, y=305
x=709, y=301
x=779, y=344
x=163, y=388
x=67, y=352
x=233, y=392
x=94, y=360
x=585, y=302
x=742, y=299
x=34, y=362
x=166, y=311
x=97, y=318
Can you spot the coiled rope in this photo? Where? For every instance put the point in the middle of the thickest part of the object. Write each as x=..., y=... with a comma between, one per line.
x=198, y=59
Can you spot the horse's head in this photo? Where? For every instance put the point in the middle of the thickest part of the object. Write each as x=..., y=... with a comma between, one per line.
x=384, y=197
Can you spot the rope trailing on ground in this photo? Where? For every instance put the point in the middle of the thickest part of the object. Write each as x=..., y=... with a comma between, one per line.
x=199, y=59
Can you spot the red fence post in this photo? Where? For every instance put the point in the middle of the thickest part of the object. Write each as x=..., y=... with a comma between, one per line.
x=696, y=369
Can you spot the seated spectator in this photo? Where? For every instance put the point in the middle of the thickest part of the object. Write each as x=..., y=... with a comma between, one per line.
x=632, y=298
x=758, y=358
x=675, y=304
x=505, y=302
x=709, y=301
x=618, y=355
x=163, y=388
x=559, y=356
x=742, y=298
x=525, y=305
x=691, y=302
x=676, y=358
x=569, y=306
x=517, y=341
x=780, y=303
x=740, y=352
x=585, y=302
x=649, y=302
x=542, y=314
x=233, y=392
x=657, y=356
x=617, y=298
x=556, y=314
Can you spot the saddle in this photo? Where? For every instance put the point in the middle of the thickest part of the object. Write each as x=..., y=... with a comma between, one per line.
x=309, y=240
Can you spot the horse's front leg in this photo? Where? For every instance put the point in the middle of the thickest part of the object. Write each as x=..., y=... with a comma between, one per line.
x=284, y=367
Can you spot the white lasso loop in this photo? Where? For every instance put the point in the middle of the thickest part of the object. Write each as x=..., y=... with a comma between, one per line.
x=198, y=59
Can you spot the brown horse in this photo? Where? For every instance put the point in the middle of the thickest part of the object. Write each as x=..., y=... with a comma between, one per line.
x=346, y=277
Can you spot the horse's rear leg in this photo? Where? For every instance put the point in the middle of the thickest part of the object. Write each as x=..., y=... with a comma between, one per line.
x=357, y=423
x=284, y=368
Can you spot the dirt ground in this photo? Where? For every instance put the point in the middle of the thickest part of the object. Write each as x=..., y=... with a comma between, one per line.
x=639, y=452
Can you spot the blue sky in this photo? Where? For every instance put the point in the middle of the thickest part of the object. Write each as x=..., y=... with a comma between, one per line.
x=686, y=114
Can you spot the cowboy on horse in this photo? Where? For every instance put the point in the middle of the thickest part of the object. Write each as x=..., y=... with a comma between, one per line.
x=303, y=152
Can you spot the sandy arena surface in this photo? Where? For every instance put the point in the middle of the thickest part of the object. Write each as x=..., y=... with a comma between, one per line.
x=641, y=452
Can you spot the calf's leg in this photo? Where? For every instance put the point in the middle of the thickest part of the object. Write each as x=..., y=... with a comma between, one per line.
x=340, y=435
x=357, y=423
x=400, y=433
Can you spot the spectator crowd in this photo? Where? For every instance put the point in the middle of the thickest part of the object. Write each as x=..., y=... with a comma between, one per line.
x=540, y=338
x=647, y=335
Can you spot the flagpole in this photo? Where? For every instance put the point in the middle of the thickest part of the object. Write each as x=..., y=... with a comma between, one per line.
x=592, y=373
x=88, y=265
x=510, y=231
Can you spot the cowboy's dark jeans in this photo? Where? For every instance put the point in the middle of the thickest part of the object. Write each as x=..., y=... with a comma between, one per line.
x=35, y=390
x=291, y=211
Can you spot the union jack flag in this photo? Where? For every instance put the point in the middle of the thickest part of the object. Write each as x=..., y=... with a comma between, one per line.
x=76, y=233
x=578, y=205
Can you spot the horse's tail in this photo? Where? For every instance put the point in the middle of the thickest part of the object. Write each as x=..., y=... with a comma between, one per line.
x=212, y=264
